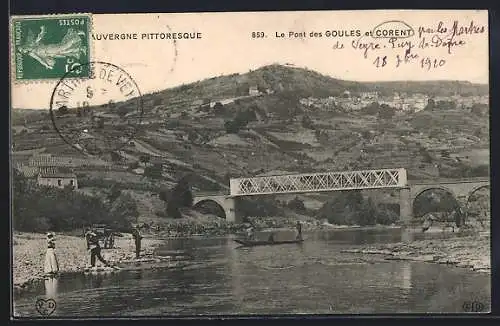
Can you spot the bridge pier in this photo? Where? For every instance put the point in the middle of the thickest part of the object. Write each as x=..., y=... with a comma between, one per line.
x=462, y=203
x=405, y=206
x=230, y=210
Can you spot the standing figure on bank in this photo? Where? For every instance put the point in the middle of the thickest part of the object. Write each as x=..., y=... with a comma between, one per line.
x=51, y=266
x=299, y=230
x=94, y=247
x=137, y=239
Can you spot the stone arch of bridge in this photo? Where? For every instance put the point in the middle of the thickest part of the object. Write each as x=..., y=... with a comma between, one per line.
x=198, y=204
x=471, y=193
x=476, y=189
x=419, y=192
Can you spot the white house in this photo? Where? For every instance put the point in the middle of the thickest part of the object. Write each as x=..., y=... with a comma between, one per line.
x=253, y=91
x=56, y=177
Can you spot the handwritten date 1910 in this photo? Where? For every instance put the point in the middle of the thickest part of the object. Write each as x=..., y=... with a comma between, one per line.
x=431, y=63
x=426, y=63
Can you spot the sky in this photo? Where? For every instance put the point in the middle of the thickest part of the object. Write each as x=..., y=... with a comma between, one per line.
x=226, y=46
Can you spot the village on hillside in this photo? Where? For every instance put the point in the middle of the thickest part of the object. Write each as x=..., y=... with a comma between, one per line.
x=256, y=129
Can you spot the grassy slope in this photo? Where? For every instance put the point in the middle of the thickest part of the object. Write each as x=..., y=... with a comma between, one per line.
x=280, y=143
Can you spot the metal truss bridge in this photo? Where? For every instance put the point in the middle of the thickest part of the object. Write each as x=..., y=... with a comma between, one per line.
x=318, y=182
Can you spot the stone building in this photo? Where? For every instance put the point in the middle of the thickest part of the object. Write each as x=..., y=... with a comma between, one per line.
x=57, y=177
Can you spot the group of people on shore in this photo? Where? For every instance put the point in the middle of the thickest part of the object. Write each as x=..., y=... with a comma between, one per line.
x=51, y=265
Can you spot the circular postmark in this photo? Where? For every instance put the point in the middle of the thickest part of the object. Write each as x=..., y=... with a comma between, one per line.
x=99, y=114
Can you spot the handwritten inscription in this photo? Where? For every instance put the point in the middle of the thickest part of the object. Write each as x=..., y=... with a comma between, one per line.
x=402, y=45
x=395, y=43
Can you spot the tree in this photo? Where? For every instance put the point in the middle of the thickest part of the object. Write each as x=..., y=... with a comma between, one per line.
x=385, y=112
x=297, y=204
x=62, y=110
x=157, y=101
x=193, y=136
x=113, y=193
x=154, y=171
x=367, y=213
x=99, y=123
x=306, y=122
x=218, y=107
x=372, y=109
x=124, y=211
x=180, y=196
x=144, y=159
x=40, y=208
x=479, y=109
x=122, y=111
x=343, y=208
x=133, y=165
x=431, y=104
x=115, y=157
x=232, y=127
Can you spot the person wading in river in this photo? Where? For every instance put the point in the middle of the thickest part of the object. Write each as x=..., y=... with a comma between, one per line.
x=95, y=248
x=137, y=239
x=299, y=230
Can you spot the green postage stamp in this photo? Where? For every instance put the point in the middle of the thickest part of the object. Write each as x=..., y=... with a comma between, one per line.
x=50, y=47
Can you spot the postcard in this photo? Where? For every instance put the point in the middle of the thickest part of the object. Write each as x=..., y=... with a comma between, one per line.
x=250, y=163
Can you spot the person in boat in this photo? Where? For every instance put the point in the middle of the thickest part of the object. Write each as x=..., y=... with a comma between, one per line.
x=51, y=266
x=250, y=233
x=95, y=248
x=299, y=230
x=136, y=234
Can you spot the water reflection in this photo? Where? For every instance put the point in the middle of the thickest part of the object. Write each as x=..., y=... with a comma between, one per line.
x=51, y=287
x=406, y=276
x=314, y=277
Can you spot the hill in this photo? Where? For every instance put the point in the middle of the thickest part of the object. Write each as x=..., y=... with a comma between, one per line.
x=255, y=123
x=301, y=83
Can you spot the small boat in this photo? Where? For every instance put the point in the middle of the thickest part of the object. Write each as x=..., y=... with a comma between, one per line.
x=252, y=243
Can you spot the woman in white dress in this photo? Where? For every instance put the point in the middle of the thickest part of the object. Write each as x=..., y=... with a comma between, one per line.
x=51, y=263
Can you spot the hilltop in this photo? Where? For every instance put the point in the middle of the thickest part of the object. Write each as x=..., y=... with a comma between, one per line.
x=301, y=83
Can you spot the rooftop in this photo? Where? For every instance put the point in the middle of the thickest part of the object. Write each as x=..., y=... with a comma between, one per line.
x=55, y=172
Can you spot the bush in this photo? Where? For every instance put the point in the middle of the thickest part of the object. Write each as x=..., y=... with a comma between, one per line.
x=307, y=122
x=232, y=127
x=40, y=208
x=296, y=204
x=180, y=196
x=350, y=208
x=258, y=207
x=133, y=165
x=153, y=172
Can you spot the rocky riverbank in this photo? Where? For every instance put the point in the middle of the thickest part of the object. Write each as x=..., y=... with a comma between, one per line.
x=29, y=254
x=196, y=224
x=471, y=252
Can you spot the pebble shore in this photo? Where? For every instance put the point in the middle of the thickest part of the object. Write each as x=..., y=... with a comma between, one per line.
x=28, y=254
x=472, y=252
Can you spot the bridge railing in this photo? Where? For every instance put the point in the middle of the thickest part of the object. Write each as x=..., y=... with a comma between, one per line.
x=317, y=182
x=449, y=180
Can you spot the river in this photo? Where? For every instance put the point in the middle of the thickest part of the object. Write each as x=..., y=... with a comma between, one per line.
x=309, y=278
